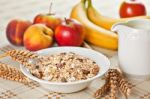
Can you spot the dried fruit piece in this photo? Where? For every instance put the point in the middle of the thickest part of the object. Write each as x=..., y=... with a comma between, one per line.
x=63, y=79
x=85, y=71
x=59, y=65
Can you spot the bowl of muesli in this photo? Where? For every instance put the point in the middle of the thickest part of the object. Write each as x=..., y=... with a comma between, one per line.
x=67, y=69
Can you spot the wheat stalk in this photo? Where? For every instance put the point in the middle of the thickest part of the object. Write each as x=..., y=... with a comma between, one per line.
x=102, y=91
x=125, y=87
x=109, y=96
x=116, y=82
x=11, y=73
x=112, y=77
x=113, y=87
x=112, y=92
x=21, y=53
x=23, y=57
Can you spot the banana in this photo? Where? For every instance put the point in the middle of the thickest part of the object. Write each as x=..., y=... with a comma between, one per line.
x=106, y=22
x=94, y=34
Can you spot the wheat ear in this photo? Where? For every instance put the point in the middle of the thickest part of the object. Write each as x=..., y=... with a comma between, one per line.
x=11, y=73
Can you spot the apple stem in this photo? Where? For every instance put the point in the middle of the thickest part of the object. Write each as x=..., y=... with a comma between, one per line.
x=133, y=0
x=50, y=9
x=66, y=20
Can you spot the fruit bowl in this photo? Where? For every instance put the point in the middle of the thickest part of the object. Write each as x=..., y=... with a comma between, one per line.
x=69, y=87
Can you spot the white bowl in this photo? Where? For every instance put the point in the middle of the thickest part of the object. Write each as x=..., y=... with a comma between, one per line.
x=69, y=87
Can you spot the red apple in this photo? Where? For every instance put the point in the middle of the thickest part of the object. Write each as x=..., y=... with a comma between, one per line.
x=49, y=20
x=15, y=31
x=131, y=8
x=37, y=37
x=70, y=33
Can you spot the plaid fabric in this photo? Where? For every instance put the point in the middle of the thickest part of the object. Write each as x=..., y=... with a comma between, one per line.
x=28, y=9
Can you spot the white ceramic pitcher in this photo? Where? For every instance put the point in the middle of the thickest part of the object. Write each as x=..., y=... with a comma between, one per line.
x=134, y=47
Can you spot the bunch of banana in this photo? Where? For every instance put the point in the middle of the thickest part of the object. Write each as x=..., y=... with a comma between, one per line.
x=97, y=27
x=94, y=34
x=104, y=21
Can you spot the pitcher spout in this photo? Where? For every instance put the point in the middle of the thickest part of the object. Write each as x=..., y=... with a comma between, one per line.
x=116, y=27
x=121, y=28
x=131, y=25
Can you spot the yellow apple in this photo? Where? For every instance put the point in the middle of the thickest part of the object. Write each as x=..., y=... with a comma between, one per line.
x=37, y=37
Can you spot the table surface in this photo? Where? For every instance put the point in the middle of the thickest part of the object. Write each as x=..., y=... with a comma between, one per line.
x=27, y=9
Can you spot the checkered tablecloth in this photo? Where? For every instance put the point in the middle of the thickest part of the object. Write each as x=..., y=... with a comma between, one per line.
x=27, y=9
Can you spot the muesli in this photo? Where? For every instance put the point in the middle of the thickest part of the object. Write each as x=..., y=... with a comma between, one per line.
x=65, y=67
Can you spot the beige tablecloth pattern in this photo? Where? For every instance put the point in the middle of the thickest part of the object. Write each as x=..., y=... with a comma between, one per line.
x=33, y=90
x=27, y=9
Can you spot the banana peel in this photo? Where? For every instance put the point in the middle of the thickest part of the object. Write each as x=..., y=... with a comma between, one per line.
x=94, y=34
x=104, y=21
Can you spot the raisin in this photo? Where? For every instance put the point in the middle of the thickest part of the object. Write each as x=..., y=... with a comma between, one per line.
x=37, y=67
x=63, y=53
x=81, y=60
x=85, y=71
x=94, y=62
x=59, y=65
x=63, y=79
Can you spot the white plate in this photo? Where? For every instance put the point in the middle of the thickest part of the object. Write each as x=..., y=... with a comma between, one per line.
x=69, y=87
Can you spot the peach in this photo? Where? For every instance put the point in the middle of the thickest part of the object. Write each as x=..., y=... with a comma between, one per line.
x=49, y=20
x=15, y=31
x=38, y=37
